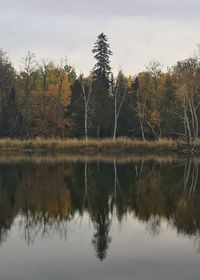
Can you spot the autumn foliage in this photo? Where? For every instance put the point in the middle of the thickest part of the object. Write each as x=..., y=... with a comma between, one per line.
x=46, y=99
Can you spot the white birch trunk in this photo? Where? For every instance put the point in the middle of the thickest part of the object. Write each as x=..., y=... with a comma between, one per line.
x=86, y=98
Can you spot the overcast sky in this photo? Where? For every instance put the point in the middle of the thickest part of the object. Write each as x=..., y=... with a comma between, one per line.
x=138, y=30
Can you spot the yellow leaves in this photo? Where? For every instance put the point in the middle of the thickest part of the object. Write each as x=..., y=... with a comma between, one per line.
x=60, y=90
x=144, y=80
x=51, y=103
x=154, y=118
x=162, y=81
x=129, y=81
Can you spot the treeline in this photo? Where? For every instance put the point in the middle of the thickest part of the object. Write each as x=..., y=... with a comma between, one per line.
x=46, y=99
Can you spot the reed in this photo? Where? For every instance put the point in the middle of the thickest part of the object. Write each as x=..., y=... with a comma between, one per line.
x=106, y=145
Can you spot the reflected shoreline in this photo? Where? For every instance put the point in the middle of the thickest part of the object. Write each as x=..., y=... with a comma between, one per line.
x=101, y=157
x=47, y=192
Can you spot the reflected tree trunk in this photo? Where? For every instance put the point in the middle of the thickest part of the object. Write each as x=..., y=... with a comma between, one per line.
x=190, y=180
x=140, y=180
x=86, y=196
x=116, y=184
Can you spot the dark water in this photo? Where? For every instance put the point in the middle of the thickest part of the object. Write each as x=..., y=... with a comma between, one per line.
x=99, y=220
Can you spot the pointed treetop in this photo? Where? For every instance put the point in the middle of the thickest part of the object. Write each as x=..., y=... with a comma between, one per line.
x=102, y=53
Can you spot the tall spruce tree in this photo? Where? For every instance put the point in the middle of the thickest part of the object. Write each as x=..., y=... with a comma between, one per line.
x=102, y=53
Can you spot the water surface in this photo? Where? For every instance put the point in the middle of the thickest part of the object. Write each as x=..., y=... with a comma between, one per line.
x=94, y=219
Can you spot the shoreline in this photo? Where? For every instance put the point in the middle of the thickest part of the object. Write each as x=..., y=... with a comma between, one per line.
x=93, y=146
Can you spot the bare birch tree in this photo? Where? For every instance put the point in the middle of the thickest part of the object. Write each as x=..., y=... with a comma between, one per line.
x=153, y=116
x=187, y=76
x=139, y=106
x=120, y=91
x=86, y=85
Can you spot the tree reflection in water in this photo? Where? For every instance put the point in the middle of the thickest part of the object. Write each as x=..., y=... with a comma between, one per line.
x=45, y=196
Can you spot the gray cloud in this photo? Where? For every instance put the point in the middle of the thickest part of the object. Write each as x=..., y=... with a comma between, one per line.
x=108, y=7
x=138, y=30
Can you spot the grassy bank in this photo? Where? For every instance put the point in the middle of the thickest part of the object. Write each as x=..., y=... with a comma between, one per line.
x=108, y=146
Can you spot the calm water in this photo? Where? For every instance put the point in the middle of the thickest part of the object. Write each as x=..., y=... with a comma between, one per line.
x=99, y=220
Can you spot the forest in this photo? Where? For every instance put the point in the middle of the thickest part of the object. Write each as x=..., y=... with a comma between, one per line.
x=49, y=100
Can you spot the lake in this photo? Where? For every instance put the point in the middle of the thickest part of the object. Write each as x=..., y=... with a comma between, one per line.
x=95, y=218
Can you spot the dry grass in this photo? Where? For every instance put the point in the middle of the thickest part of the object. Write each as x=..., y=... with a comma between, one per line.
x=92, y=145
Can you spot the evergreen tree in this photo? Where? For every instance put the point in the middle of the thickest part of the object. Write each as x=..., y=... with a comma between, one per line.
x=71, y=73
x=102, y=53
x=76, y=110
